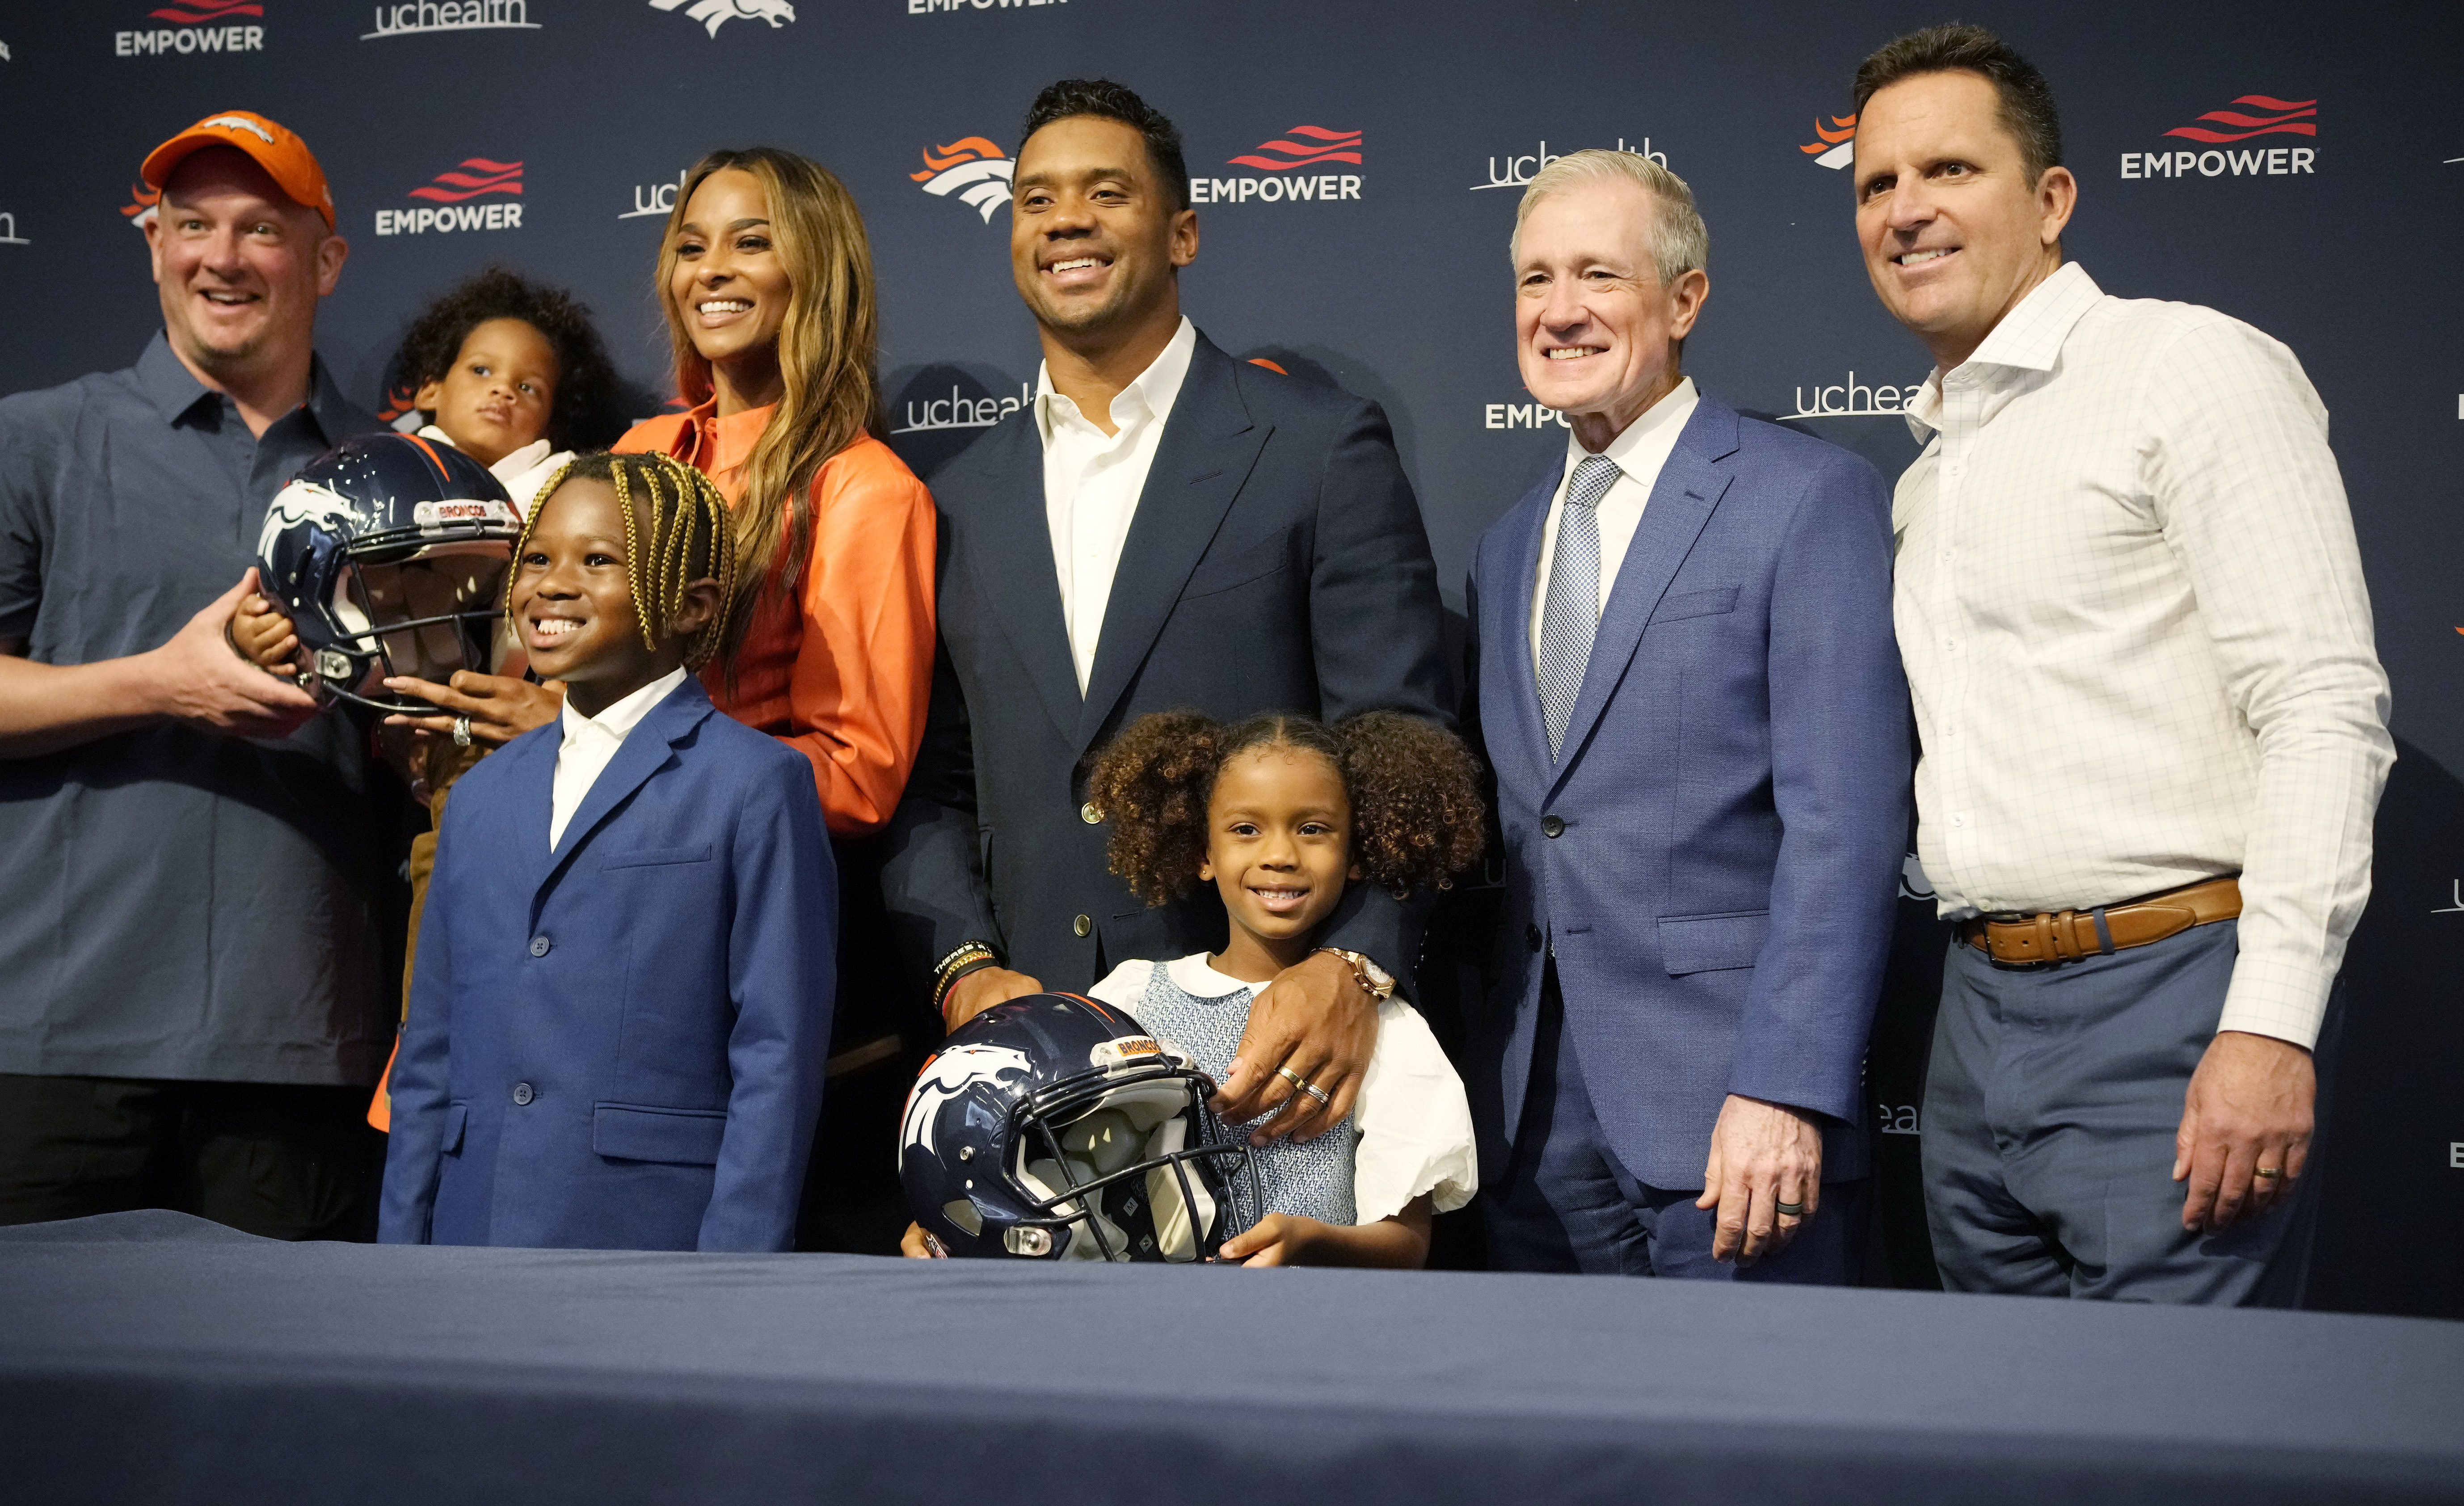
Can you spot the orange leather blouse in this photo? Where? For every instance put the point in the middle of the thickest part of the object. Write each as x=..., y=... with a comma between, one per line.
x=844, y=673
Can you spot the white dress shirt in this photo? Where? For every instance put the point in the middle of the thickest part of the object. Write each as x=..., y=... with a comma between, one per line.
x=590, y=742
x=1092, y=481
x=2132, y=613
x=1413, y=1120
x=1640, y=451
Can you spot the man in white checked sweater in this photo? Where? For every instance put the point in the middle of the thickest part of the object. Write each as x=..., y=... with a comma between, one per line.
x=2152, y=721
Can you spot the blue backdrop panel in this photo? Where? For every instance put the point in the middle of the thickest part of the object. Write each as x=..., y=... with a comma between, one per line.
x=1369, y=251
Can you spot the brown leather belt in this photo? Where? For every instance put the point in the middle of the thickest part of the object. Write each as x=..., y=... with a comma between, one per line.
x=2068, y=935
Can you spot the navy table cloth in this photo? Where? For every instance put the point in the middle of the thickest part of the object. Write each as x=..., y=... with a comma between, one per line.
x=150, y=1357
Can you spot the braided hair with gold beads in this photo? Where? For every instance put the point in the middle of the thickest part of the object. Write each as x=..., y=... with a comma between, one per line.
x=692, y=538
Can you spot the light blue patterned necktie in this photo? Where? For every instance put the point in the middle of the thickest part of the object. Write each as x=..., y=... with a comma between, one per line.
x=1570, y=617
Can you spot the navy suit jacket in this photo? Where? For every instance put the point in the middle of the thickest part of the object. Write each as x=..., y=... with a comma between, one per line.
x=618, y=1045
x=1276, y=562
x=1730, y=801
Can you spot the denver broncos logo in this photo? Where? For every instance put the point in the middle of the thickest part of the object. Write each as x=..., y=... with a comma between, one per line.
x=944, y=1078
x=716, y=13
x=1834, y=145
x=143, y=206
x=973, y=168
x=239, y=123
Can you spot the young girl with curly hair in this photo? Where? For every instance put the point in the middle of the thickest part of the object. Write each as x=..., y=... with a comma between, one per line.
x=1283, y=815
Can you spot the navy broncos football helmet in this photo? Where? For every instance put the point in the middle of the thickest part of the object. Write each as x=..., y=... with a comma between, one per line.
x=1053, y=1127
x=388, y=553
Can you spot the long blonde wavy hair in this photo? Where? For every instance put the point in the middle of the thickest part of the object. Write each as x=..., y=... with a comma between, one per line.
x=827, y=353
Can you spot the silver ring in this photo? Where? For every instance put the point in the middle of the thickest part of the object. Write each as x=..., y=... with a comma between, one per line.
x=461, y=732
x=1317, y=1093
x=1790, y=1209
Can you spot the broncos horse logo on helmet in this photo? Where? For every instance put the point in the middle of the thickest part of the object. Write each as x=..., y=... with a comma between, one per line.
x=1054, y=1127
x=388, y=553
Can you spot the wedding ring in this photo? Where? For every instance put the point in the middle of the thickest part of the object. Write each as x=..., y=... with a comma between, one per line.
x=2268, y=1173
x=1299, y=1083
x=461, y=732
x=1317, y=1093
x=1790, y=1209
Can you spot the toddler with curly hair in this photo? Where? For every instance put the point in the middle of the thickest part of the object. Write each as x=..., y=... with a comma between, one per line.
x=1281, y=814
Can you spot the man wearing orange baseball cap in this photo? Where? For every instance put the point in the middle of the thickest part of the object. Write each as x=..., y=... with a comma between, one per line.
x=186, y=917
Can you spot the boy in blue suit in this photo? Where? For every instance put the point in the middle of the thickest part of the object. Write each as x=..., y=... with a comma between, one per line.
x=622, y=1001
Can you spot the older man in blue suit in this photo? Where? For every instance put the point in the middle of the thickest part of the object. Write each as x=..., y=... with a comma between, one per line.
x=1688, y=686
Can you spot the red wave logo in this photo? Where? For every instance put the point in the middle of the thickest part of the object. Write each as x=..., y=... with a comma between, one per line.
x=966, y=149
x=196, y=12
x=1322, y=146
x=482, y=177
x=2290, y=118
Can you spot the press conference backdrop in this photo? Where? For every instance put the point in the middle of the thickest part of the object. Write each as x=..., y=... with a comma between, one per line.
x=1357, y=165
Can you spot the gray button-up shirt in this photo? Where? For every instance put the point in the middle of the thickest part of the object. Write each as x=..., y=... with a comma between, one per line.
x=174, y=903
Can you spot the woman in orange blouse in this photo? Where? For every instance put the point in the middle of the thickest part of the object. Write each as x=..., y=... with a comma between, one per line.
x=766, y=276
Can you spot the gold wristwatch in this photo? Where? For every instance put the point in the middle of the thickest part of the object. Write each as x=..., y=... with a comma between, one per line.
x=1375, y=981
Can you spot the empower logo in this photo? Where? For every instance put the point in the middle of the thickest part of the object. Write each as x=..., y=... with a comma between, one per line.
x=1317, y=146
x=716, y=13
x=197, y=30
x=473, y=178
x=972, y=167
x=1835, y=144
x=411, y=18
x=2264, y=115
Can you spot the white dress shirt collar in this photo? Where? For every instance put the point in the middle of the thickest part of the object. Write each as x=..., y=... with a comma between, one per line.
x=1642, y=446
x=2028, y=339
x=1149, y=395
x=590, y=744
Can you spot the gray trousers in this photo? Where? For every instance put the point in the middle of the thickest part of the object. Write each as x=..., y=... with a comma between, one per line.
x=2049, y=1109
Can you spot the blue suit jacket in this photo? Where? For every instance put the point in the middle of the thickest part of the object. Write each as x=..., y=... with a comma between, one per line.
x=618, y=1045
x=1733, y=794
x=1276, y=562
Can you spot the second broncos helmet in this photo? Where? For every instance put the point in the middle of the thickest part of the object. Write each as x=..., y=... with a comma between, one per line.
x=1053, y=1127
x=388, y=553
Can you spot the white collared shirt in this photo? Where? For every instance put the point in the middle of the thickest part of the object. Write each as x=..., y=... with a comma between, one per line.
x=1092, y=481
x=590, y=742
x=1640, y=450
x=2132, y=613
x=521, y=472
x=1411, y=1113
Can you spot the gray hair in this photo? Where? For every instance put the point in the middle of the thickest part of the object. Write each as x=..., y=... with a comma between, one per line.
x=1680, y=241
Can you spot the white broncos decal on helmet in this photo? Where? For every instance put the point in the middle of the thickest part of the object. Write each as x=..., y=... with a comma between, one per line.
x=716, y=13
x=947, y=1075
x=302, y=503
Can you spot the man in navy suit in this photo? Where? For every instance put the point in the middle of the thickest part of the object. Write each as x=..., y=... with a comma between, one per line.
x=1689, y=691
x=1163, y=527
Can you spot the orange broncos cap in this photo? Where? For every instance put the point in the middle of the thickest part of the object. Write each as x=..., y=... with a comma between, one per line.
x=285, y=158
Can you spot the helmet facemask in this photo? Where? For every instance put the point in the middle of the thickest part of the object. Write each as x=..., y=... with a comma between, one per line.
x=424, y=611
x=1126, y=1162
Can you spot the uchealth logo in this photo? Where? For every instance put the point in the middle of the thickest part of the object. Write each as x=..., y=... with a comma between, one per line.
x=412, y=17
x=961, y=409
x=1834, y=145
x=653, y=198
x=451, y=190
x=197, y=25
x=971, y=168
x=1853, y=399
x=716, y=13
x=1519, y=170
x=1282, y=160
x=8, y=235
x=2223, y=131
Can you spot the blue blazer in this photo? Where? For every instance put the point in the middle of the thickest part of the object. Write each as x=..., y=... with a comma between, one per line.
x=1276, y=562
x=618, y=1045
x=1731, y=805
